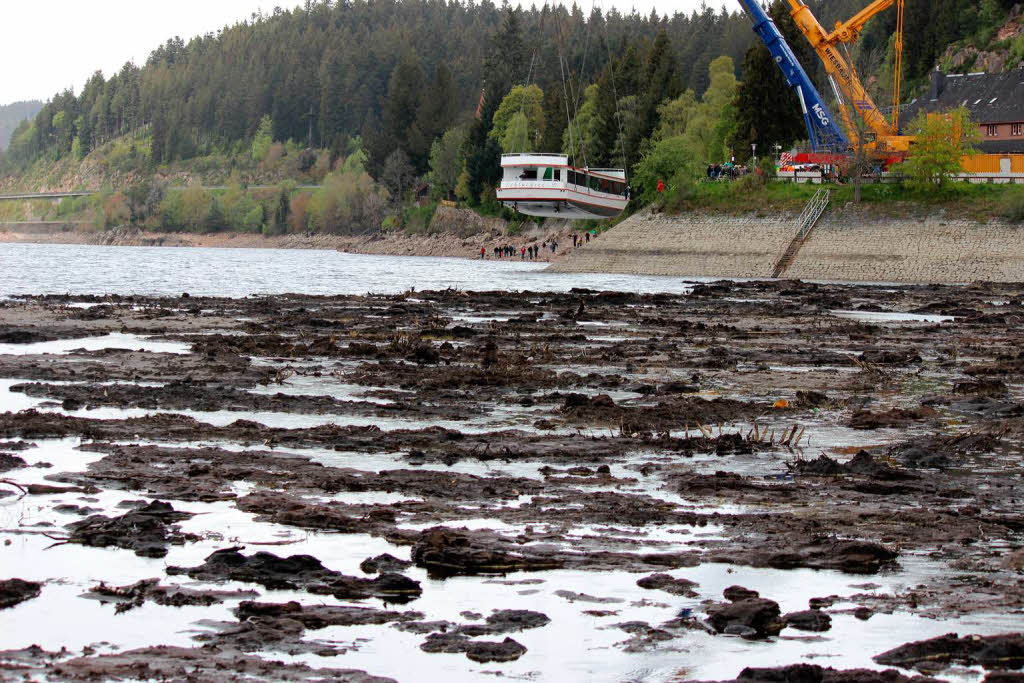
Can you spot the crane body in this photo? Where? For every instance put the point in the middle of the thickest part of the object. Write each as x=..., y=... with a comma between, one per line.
x=878, y=134
x=822, y=128
x=885, y=134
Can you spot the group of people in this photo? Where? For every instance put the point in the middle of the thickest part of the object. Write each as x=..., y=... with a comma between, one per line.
x=726, y=171
x=531, y=251
x=577, y=240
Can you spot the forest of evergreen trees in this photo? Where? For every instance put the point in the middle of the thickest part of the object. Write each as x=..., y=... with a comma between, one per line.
x=402, y=79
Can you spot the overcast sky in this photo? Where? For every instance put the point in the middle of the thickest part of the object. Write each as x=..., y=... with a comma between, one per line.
x=49, y=46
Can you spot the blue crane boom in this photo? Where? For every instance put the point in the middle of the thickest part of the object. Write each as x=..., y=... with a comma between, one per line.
x=822, y=130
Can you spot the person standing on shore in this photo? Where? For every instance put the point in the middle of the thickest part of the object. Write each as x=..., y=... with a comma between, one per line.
x=522, y=253
x=483, y=253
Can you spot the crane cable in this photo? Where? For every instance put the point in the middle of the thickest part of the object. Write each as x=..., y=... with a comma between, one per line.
x=522, y=104
x=568, y=94
x=615, y=94
x=897, y=66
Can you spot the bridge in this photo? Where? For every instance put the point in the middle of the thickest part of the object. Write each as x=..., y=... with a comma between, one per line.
x=87, y=193
x=43, y=195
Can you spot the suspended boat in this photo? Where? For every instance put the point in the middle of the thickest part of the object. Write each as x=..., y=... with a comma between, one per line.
x=546, y=185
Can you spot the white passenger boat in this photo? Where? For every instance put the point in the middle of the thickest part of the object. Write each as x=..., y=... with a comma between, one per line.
x=546, y=185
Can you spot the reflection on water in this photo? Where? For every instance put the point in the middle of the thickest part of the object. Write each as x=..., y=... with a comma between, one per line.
x=78, y=269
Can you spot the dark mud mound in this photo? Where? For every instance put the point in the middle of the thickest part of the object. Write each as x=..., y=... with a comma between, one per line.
x=205, y=664
x=298, y=571
x=895, y=417
x=384, y=563
x=322, y=616
x=808, y=620
x=138, y=593
x=863, y=463
x=444, y=552
x=811, y=673
x=992, y=652
x=941, y=451
x=9, y=461
x=16, y=591
x=148, y=530
x=669, y=584
x=481, y=651
x=752, y=617
x=852, y=557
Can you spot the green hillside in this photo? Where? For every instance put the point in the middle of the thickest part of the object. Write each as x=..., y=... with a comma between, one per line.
x=13, y=114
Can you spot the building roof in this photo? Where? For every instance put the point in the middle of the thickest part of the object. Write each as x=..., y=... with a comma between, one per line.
x=990, y=98
x=1000, y=146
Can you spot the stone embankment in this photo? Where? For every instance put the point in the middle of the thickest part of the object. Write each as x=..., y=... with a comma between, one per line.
x=848, y=244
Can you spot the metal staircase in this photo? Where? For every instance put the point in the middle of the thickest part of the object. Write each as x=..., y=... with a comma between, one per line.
x=808, y=219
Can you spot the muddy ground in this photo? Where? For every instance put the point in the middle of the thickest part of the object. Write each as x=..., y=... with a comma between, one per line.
x=548, y=445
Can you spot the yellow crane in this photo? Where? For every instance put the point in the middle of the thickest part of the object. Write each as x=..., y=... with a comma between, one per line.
x=883, y=134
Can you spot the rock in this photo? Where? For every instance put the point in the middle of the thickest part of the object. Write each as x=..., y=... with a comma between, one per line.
x=809, y=620
x=737, y=593
x=668, y=584
x=16, y=591
x=760, y=614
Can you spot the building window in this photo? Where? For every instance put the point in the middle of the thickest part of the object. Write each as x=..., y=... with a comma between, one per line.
x=992, y=129
x=1017, y=129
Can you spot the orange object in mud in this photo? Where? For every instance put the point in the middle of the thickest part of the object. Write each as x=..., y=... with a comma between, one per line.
x=781, y=403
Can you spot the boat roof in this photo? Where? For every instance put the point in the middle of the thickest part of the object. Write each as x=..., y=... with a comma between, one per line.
x=534, y=159
x=557, y=160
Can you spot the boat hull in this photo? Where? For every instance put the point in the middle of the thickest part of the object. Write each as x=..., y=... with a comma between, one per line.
x=561, y=203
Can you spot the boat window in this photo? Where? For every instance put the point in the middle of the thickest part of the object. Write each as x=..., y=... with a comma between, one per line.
x=528, y=174
x=575, y=178
x=595, y=183
x=558, y=174
x=547, y=174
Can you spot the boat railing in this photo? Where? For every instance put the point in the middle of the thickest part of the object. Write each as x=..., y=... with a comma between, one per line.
x=559, y=185
x=533, y=154
x=522, y=184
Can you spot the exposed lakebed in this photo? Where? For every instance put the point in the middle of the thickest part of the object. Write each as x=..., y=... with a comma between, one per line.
x=551, y=486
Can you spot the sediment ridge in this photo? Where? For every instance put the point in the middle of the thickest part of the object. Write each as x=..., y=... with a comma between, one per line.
x=849, y=244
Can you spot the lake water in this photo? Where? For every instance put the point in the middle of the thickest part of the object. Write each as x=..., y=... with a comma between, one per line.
x=78, y=269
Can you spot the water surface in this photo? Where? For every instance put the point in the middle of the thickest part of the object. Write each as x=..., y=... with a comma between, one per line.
x=83, y=269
